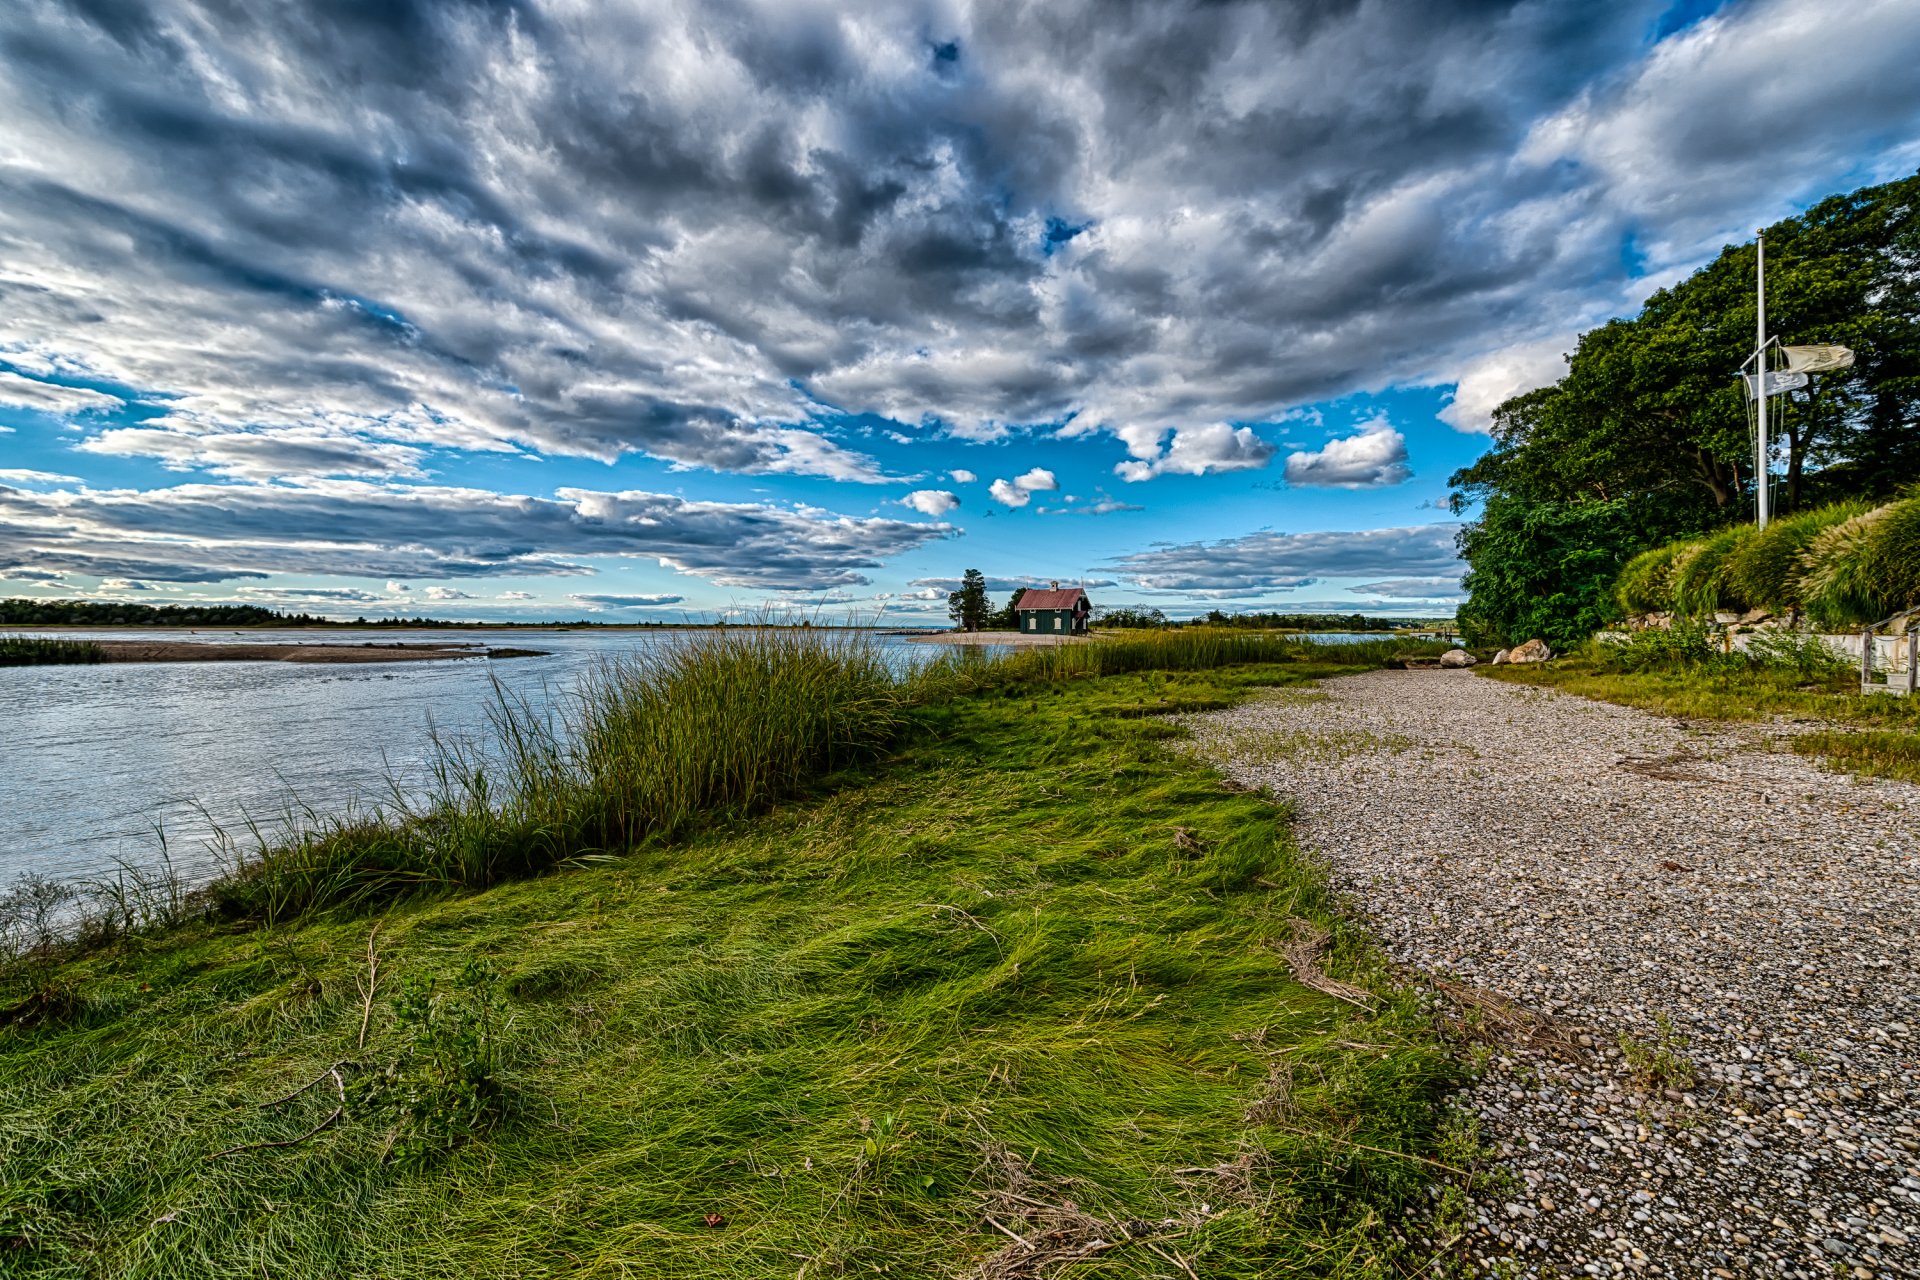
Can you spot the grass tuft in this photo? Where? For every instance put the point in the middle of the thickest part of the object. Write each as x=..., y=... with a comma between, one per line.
x=30, y=651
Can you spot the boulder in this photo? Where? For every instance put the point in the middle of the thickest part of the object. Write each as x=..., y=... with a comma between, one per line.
x=1500, y=657
x=1456, y=658
x=1534, y=650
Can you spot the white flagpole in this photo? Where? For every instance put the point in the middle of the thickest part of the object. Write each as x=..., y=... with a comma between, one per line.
x=1760, y=378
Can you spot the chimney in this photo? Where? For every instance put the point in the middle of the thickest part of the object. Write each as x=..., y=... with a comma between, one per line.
x=1055, y=584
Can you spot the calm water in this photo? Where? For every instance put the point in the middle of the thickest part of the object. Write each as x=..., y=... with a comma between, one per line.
x=94, y=757
x=96, y=760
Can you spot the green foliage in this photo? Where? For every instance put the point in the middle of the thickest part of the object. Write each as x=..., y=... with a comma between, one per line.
x=1645, y=585
x=1766, y=568
x=969, y=605
x=1689, y=646
x=20, y=612
x=1649, y=414
x=1543, y=570
x=1036, y=955
x=1702, y=574
x=1892, y=556
x=29, y=651
x=444, y=1089
x=1837, y=582
x=1129, y=617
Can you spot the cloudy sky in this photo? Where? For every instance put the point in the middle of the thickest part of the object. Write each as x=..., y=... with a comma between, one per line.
x=535, y=308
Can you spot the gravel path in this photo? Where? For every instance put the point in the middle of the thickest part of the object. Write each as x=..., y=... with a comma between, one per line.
x=1747, y=922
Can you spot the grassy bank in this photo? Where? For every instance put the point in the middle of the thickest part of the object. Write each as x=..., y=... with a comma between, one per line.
x=31, y=651
x=1874, y=735
x=986, y=960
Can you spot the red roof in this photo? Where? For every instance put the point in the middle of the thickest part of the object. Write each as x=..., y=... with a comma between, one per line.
x=1040, y=598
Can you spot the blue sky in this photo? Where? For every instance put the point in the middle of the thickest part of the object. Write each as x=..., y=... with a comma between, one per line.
x=521, y=308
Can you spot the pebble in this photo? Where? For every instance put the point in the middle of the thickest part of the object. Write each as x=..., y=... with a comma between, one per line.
x=1658, y=886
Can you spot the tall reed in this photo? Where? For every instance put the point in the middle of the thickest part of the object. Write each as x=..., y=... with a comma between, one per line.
x=28, y=651
x=710, y=725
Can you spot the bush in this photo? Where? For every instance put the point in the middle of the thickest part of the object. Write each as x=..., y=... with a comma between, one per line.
x=1646, y=584
x=1836, y=582
x=1892, y=568
x=1766, y=569
x=1701, y=582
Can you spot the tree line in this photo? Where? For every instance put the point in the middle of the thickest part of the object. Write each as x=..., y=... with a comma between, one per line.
x=1645, y=439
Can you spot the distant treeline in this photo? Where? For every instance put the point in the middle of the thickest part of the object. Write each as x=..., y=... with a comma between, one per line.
x=1304, y=621
x=20, y=612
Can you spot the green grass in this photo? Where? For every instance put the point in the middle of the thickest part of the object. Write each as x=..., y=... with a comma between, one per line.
x=28, y=651
x=1875, y=734
x=1020, y=964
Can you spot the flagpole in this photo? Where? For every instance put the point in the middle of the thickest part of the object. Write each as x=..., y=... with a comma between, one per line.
x=1760, y=377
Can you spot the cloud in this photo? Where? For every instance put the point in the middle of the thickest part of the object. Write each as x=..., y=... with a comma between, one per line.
x=1199, y=451
x=15, y=475
x=694, y=231
x=1019, y=491
x=1435, y=588
x=962, y=476
x=1373, y=458
x=49, y=397
x=625, y=602
x=200, y=533
x=123, y=584
x=515, y=595
x=310, y=595
x=1266, y=561
x=1485, y=383
x=937, y=588
x=446, y=593
x=262, y=455
x=931, y=502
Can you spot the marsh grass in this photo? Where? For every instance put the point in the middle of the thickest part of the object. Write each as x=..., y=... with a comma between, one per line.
x=29, y=651
x=1031, y=957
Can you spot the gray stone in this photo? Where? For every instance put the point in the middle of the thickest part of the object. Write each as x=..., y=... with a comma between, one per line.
x=1457, y=658
x=1500, y=657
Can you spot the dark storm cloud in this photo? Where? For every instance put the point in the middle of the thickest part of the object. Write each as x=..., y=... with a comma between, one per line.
x=1263, y=562
x=203, y=533
x=682, y=228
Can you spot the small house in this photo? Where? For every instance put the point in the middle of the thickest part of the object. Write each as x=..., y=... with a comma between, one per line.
x=1053, y=611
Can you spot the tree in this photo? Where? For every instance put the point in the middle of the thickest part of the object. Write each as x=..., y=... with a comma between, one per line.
x=1007, y=619
x=968, y=606
x=1645, y=438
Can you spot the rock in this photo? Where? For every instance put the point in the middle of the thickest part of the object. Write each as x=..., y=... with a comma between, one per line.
x=1499, y=657
x=1752, y=616
x=1456, y=658
x=1534, y=650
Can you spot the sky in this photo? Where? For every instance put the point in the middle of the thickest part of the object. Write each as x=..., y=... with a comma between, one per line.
x=518, y=309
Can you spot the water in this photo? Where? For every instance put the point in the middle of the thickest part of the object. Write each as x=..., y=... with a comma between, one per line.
x=96, y=758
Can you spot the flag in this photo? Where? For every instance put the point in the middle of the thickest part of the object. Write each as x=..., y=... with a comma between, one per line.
x=1777, y=383
x=1822, y=359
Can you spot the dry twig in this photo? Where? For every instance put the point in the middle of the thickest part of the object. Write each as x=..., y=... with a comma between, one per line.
x=1303, y=957
x=373, y=981
x=328, y=1123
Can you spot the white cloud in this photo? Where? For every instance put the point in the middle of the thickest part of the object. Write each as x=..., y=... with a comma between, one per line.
x=445, y=593
x=625, y=602
x=49, y=397
x=203, y=533
x=962, y=476
x=1199, y=451
x=398, y=588
x=1374, y=457
x=1434, y=588
x=262, y=455
x=16, y=475
x=1485, y=383
x=931, y=502
x=515, y=595
x=1019, y=491
x=1261, y=562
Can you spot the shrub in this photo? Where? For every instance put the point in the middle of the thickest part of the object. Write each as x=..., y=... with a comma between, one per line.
x=1766, y=569
x=1892, y=557
x=1837, y=583
x=1700, y=574
x=1645, y=585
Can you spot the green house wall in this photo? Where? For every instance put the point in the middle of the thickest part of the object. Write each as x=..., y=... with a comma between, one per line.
x=1047, y=621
